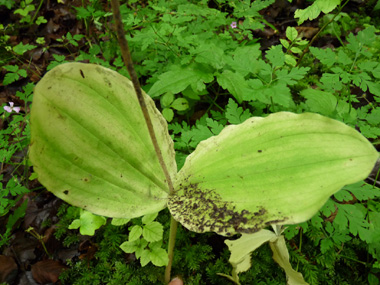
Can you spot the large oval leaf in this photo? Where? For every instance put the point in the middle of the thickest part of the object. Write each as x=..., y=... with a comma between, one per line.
x=90, y=145
x=275, y=170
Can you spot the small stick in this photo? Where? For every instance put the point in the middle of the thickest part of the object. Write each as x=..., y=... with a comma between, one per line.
x=136, y=84
x=129, y=64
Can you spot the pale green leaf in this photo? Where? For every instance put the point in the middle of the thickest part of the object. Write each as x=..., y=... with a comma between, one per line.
x=275, y=170
x=242, y=248
x=119, y=221
x=281, y=256
x=90, y=145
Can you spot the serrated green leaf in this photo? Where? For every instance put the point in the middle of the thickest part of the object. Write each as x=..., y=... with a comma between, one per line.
x=22, y=72
x=313, y=11
x=363, y=191
x=351, y=216
x=11, y=68
x=227, y=184
x=20, y=49
x=277, y=93
x=134, y=246
x=10, y=78
x=153, y=231
x=276, y=56
x=326, y=244
x=343, y=195
x=319, y=101
x=235, y=114
x=325, y=56
x=290, y=78
x=179, y=79
x=245, y=59
x=159, y=257
x=135, y=233
x=211, y=55
x=144, y=257
x=234, y=83
x=343, y=58
x=89, y=139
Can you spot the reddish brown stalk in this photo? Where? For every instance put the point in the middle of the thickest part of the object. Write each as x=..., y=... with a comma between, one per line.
x=136, y=84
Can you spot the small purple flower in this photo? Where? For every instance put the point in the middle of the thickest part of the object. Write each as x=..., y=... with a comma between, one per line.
x=233, y=25
x=10, y=108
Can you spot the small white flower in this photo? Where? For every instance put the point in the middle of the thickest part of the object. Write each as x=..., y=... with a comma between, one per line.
x=10, y=108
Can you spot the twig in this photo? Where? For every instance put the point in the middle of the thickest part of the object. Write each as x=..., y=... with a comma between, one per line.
x=129, y=64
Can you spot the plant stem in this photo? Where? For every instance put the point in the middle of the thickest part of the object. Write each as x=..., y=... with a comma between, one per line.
x=172, y=235
x=129, y=64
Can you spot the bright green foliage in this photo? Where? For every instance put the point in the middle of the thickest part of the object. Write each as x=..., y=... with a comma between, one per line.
x=145, y=241
x=18, y=213
x=351, y=65
x=294, y=45
x=13, y=74
x=179, y=79
x=168, y=103
x=313, y=11
x=236, y=115
x=88, y=223
x=68, y=131
x=7, y=3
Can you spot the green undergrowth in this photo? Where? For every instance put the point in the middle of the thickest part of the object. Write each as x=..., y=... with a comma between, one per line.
x=204, y=66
